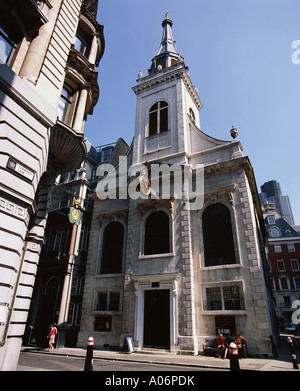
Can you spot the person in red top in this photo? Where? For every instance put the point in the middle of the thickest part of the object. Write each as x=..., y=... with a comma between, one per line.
x=221, y=345
x=52, y=335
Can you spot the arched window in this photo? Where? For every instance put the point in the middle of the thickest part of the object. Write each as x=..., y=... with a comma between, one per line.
x=297, y=282
x=217, y=236
x=157, y=234
x=284, y=283
x=192, y=115
x=158, y=118
x=112, y=248
x=274, y=232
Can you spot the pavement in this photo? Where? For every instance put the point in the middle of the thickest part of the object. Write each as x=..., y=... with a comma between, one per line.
x=282, y=363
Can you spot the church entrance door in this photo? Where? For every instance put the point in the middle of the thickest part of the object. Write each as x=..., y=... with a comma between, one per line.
x=157, y=318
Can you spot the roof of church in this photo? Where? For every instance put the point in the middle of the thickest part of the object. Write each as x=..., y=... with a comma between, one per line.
x=167, y=49
x=168, y=45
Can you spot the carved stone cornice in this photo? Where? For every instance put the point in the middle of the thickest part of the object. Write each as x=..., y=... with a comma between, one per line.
x=112, y=215
x=178, y=71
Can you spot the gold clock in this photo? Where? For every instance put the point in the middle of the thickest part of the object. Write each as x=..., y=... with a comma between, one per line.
x=75, y=214
x=145, y=186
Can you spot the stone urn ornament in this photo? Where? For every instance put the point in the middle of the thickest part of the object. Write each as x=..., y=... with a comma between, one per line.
x=234, y=133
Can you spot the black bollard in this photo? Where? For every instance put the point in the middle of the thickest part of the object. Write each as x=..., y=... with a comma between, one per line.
x=88, y=366
x=294, y=358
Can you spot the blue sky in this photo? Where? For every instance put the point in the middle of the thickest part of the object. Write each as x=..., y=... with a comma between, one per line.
x=239, y=54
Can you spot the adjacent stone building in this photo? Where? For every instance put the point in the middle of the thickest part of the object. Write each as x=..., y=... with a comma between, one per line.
x=58, y=290
x=172, y=270
x=49, y=51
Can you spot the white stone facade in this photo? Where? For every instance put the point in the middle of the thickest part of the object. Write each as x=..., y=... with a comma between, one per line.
x=25, y=122
x=179, y=276
x=182, y=271
x=35, y=146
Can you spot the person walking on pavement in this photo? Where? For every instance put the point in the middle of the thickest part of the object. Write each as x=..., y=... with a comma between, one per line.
x=51, y=336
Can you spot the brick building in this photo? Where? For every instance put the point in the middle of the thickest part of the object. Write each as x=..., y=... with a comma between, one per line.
x=284, y=264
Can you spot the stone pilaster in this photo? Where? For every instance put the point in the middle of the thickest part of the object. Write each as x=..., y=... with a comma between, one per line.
x=187, y=323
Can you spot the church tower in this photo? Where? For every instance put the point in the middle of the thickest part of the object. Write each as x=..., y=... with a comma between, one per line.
x=163, y=99
x=168, y=275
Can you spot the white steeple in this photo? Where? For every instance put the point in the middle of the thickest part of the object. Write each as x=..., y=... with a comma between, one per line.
x=167, y=126
x=166, y=100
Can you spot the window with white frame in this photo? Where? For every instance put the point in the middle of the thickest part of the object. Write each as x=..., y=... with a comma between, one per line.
x=294, y=264
x=218, y=236
x=271, y=219
x=77, y=286
x=274, y=232
x=277, y=248
x=280, y=266
x=157, y=233
x=291, y=248
x=227, y=297
x=71, y=313
x=158, y=118
x=78, y=314
x=297, y=282
x=74, y=314
x=283, y=283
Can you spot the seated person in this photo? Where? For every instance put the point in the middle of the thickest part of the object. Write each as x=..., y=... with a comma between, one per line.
x=221, y=346
x=240, y=342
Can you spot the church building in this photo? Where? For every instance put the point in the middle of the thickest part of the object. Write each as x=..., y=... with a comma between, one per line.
x=172, y=271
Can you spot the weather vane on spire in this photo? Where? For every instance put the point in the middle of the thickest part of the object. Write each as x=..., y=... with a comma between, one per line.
x=167, y=15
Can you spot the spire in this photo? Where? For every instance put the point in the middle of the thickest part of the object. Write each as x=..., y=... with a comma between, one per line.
x=167, y=54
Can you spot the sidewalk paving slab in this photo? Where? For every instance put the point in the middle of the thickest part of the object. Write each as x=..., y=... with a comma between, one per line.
x=282, y=363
